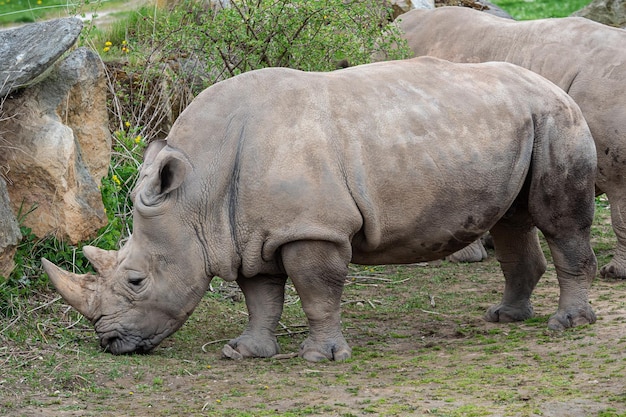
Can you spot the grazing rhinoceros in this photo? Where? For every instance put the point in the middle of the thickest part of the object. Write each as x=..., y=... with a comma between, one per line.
x=278, y=173
x=584, y=58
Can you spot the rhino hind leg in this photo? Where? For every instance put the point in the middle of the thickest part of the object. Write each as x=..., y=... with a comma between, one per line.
x=562, y=207
x=264, y=298
x=575, y=265
x=318, y=270
x=616, y=268
x=522, y=261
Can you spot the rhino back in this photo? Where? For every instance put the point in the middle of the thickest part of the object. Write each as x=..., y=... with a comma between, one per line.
x=560, y=49
x=586, y=59
x=404, y=161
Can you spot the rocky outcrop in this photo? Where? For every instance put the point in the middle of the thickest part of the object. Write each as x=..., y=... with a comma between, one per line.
x=28, y=51
x=402, y=6
x=46, y=159
x=54, y=133
x=609, y=12
x=10, y=234
x=482, y=5
x=82, y=86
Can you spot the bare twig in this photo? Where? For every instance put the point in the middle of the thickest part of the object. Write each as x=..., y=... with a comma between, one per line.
x=54, y=300
x=434, y=312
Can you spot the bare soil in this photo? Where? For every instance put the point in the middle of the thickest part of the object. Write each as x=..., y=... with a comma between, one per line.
x=420, y=347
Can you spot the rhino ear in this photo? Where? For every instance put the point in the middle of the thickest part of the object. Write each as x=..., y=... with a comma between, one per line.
x=149, y=156
x=165, y=174
x=152, y=150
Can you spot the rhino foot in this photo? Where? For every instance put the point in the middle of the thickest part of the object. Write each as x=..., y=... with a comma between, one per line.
x=336, y=349
x=564, y=319
x=504, y=313
x=247, y=346
x=613, y=269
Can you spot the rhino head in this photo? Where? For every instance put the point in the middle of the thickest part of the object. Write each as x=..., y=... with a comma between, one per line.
x=145, y=291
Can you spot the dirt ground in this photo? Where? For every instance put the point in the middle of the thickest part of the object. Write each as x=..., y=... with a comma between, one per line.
x=420, y=347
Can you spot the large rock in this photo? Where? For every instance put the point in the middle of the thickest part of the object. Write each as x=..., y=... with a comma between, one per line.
x=28, y=51
x=10, y=235
x=46, y=166
x=402, y=6
x=482, y=5
x=85, y=110
x=609, y=12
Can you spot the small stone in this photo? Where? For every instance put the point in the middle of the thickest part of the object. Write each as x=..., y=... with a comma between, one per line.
x=230, y=353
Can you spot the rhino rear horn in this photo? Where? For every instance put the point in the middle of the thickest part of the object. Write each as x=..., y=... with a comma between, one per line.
x=78, y=290
x=105, y=261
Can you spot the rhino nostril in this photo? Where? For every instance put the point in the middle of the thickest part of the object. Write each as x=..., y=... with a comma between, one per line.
x=107, y=342
x=113, y=344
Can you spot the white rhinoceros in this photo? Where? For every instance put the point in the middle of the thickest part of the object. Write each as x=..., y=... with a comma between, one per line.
x=584, y=58
x=278, y=173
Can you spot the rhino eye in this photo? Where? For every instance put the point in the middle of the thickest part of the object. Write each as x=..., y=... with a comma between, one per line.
x=135, y=279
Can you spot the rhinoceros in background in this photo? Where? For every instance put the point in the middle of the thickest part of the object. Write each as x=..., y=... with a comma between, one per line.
x=584, y=58
x=279, y=173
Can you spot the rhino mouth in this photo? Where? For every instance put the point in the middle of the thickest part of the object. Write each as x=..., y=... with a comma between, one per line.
x=117, y=344
x=123, y=342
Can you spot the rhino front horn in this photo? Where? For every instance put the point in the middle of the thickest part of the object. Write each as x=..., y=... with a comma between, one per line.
x=78, y=290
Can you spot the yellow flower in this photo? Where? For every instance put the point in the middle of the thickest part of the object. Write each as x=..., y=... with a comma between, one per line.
x=116, y=180
x=124, y=42
x=218, y=401
x=39, y=2
x=108, y=43
x=106, y=49
x=127, y=124
x=124, y=49
x=138, y=139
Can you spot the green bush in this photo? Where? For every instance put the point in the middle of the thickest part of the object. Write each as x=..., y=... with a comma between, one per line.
x=311, y=35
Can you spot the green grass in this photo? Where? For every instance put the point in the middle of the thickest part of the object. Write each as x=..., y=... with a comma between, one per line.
x=410, y=356
x=538, y=9
x=27, y=11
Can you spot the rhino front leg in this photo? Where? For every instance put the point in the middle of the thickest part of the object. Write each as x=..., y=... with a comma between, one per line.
x=318, y=270
x=522, y=262
x=264, y=296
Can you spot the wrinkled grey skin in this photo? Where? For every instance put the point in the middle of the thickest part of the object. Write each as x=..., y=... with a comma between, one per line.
x=278, y=173
x=586, y=59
